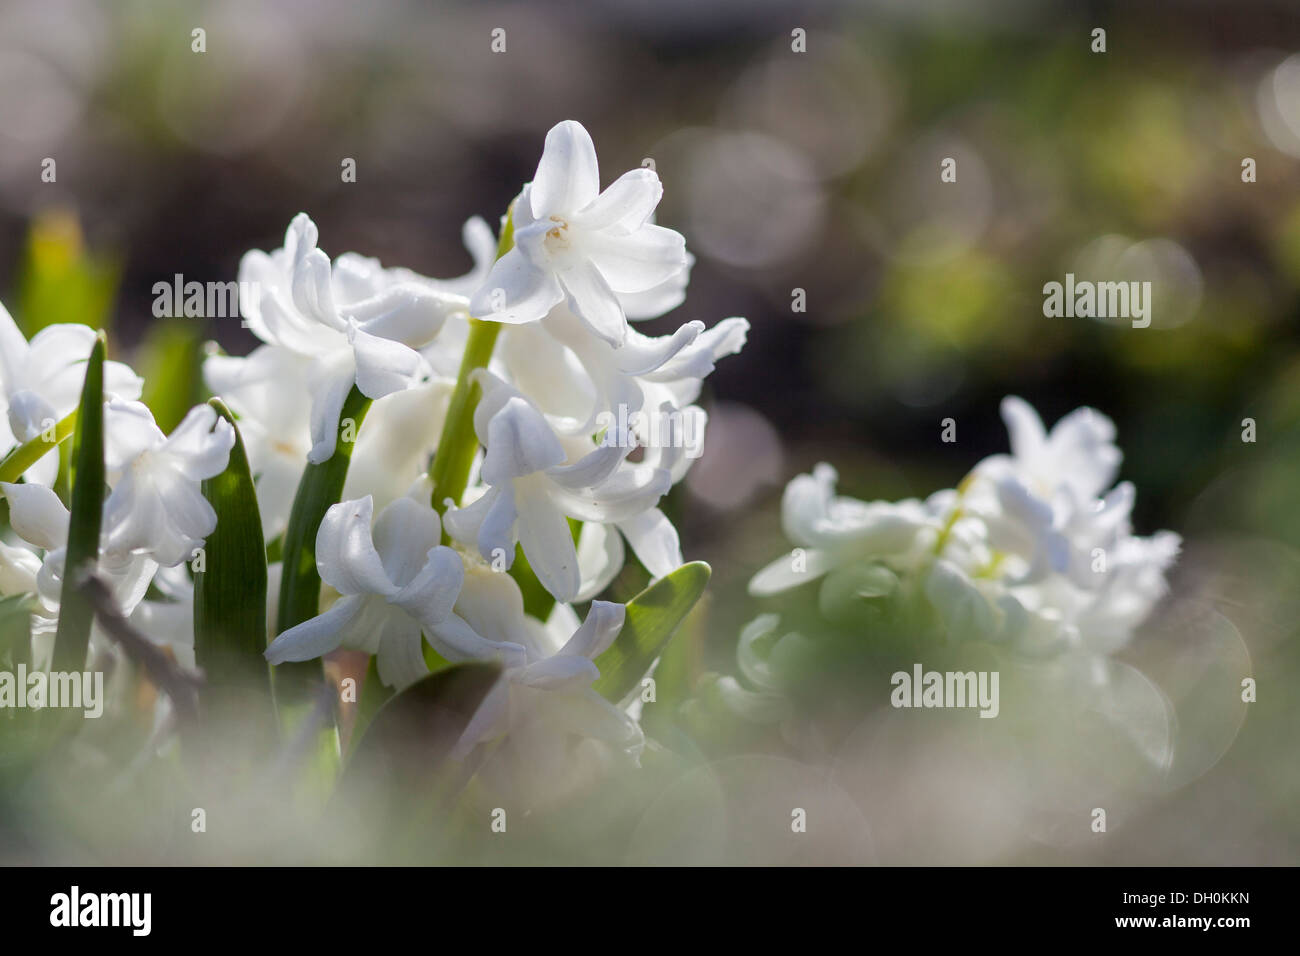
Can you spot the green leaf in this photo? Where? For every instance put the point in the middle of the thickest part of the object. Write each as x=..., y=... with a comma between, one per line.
x=170, y=361
x=59, y=280
x=22, y=457
x=230, y=596
x=400, y=755
x=652, y=618
x=320, y=488
x=75, y=613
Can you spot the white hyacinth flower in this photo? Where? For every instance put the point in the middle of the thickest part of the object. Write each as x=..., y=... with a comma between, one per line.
x=41, y=519
x=576, y=243
x=833, y=530
x=534, y=484
x=396, y=583
x=359, y=324
x=156, y=506
x=1034, y=547
x=40, y=384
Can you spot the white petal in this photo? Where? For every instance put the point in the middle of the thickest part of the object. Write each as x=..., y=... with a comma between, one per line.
x=345, y=553
x=431, y=595
x=568, y=177
x=385, y=366
x=410, y=314
x=403, y=534
x=37, y=515
x=593, y=301
x=654, y=541
x=312, y=294
x=643, y=354
x=790, y=571
x=400, y=660
x=630, y=491
x=600, y=558
x=129, y=431
x=316, y=636
x=640, y=261
x=496, y=535
x=594, y=467
x=120, y=381
x=200, y=445
x=455, y=640
x=559, y=673
x=625, y=205
x=516, y=292
x=547, y=540
x=519, y=443
x=598, y=631
x=1024, y=427
x=331, y=383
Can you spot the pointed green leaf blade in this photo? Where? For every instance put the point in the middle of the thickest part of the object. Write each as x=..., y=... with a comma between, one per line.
x=230, y=595
x=652, y=618
x=75, y=613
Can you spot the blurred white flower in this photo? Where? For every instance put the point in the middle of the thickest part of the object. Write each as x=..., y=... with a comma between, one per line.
x=1033, y=548
x=573, y=241
x=545, y=698
x=41, y=380
x=831, y=531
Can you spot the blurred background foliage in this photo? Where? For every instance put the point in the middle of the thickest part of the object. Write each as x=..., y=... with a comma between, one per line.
x=814, y=171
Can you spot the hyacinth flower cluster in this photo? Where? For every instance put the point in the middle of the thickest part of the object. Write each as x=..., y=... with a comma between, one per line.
x=436, y=477
x=1033, y=555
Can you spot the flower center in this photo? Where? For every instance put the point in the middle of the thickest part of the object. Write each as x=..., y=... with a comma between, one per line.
x=557, y=237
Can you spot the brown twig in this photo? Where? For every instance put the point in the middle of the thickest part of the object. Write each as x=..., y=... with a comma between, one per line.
x=179, y=684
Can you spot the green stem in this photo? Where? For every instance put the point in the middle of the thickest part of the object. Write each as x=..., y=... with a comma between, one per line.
x=450, y=468
x=16, y=463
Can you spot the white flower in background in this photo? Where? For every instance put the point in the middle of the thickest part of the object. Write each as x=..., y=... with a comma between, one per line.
x=156, y=506
x=833, y=530
x=574, y=242
x=41, y=519
x=535, y=483
x=268, y=390
x=395, y=582
x=41, y=380
x=18, y=569
x=169, y=620
x=395, y=447
x=359, y=324
x=545, y=698
x=1031, y=548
